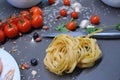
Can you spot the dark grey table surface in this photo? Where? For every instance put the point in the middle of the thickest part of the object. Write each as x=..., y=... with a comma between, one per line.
x=107, y=69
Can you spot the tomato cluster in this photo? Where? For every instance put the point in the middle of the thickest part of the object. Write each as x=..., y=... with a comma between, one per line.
x=21, y=23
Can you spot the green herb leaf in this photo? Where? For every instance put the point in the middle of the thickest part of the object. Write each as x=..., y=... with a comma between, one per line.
x=118, y=27
x=71, y=19
x=64, y=29
x=61, y=28
x=90, y=30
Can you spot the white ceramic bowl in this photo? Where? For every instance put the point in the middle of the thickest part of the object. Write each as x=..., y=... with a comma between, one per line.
x=23, y=3
x=113, y=3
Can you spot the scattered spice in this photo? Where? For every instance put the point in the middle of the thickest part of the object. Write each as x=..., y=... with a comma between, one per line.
x=45, y=28
x=24, y=66
x=58, y=17
x=14, y=50
x=38, y=39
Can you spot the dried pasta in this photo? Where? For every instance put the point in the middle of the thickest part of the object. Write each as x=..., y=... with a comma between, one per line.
x=66, y=52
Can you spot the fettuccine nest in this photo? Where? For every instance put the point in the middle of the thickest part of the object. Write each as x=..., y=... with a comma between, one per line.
x=66, y=52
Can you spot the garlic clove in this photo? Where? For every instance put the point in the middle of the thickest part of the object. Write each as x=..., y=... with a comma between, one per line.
x=77, y=6
x=84, y=23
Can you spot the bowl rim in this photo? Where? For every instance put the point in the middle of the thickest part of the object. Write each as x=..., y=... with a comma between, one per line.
x=25, y=1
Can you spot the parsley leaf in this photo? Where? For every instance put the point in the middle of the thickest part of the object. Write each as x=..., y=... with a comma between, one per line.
x=118, y=27
x=90, y=30
x=62, y=28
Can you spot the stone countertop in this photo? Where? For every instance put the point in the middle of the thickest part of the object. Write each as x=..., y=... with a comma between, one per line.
x=26, y=49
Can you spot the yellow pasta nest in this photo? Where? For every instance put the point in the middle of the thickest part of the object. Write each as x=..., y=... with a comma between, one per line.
x=66, y=52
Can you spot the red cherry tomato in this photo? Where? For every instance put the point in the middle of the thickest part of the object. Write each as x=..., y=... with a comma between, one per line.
x=11, y=30
x=24, y=25
x=71, y=25
x=1, y=25
x=0, y=22
x=2, y=36
x=25, y=14
x=37, y=21
x=13, y=19
x=36, y=10
x=95, y=19
x=63, y=12
x=51, y=1
x=74, y=15
x=66, y=2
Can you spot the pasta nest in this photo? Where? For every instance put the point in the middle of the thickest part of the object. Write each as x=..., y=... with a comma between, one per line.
x=66, y=52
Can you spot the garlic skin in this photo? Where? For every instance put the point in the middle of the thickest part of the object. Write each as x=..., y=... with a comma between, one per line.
x=84, y=23
x=90, y=26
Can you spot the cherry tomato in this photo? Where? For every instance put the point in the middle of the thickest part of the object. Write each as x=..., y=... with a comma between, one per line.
x=0, y=22
x=95, y=19
x=74, y=15
x=66, y=2
x=36, y=10
x=2, y=36
x=11, y=30
x=71, y=25
x=51, y=1
x=24, y=25
x=1, y=25
x=63, y=12
x=25, y=14
x=13, y=19
x=37, y=21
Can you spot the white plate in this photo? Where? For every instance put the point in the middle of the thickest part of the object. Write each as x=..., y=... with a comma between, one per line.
x=9, y=63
